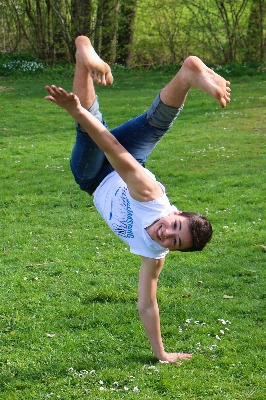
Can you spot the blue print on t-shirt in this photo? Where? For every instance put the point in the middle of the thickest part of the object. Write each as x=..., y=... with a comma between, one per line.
x=121, y=216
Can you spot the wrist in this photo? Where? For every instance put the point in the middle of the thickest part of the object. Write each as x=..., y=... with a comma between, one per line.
x=78, y=114
x=160, y=354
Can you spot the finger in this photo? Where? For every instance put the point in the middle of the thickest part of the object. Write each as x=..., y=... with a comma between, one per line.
x=227, y=98
x=59, y=91
x=223, y=103
x=50, y=98
x=103, y=80
x=94, y=76
x=184, y=356
x=109, y=78
x=53, y=91
x=54, y=88
x=49, y=89
x=73, y=96
x=99, y=79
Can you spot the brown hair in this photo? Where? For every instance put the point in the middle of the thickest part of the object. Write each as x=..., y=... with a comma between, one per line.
x=200, y=229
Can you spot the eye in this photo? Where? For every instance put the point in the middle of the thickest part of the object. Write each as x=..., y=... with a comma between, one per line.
x=174, y=241
x=175, y=225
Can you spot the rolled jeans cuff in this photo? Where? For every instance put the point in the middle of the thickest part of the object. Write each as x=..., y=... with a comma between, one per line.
x=162, y=116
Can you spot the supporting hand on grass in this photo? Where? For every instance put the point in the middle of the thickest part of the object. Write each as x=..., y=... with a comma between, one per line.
x=174, y=358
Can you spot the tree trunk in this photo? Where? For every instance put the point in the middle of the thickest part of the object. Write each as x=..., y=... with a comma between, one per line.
x=60, y=34
x=255, y=36
x=81, y=17
x=39, y=31
x=11, y=32
x=126, y=31
x=106, y=29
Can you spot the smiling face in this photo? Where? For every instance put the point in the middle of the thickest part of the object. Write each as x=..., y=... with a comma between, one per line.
x=171, y=232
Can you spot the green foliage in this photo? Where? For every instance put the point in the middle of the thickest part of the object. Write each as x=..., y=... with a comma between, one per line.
x=23, y=64
x=9, y=57
x=218, y=32
x=237, y=69
x=69, y=324
x=63, y=69
x=12, y=64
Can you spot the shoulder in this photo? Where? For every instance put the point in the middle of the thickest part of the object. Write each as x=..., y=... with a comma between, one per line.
x=142, y=184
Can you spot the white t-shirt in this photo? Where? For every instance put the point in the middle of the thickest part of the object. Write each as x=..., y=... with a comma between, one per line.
x=128, y=217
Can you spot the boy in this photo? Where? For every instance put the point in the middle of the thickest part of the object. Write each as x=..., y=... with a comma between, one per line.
x=110, y=167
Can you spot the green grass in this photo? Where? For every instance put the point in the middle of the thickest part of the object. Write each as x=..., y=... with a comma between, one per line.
x=69, y=287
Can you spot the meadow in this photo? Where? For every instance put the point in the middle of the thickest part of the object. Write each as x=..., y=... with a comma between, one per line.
x=69, y=327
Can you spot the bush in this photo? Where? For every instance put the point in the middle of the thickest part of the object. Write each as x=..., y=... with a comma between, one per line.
x=61, y=69
x=236, y=69
x=22, y=64
x=18, y=64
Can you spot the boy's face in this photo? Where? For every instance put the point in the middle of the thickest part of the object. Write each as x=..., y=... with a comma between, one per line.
x=171, y=232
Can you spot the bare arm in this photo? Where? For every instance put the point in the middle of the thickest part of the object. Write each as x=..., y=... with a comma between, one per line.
x=149, y=310
x=141, y=186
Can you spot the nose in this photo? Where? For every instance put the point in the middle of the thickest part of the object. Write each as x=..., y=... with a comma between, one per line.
x=169, y=233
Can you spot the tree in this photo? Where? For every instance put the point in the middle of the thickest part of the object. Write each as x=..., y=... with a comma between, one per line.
x=74, y=17
x=171, y=19
x=106, y=29
x=10, y=32
x=220, y=25
x=81, y=17
x=127, y=17
x=41, y=19
x=164, y=31
x=51, y=26
x=255, y=32
x=37, y=28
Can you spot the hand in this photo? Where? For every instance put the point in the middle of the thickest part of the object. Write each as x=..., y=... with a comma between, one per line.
x=69, y=101
x=173, y=358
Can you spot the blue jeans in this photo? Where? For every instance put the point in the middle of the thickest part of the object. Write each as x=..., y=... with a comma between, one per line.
x=139, y=136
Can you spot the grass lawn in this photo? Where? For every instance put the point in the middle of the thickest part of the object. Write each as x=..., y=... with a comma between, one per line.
x=69, y=327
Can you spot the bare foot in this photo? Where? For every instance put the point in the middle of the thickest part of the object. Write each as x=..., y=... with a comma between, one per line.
x=69, y=101
x=98, y=69
x=198, y=75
